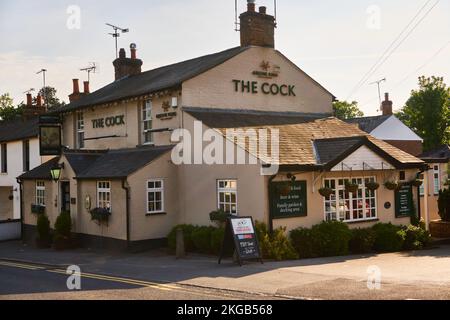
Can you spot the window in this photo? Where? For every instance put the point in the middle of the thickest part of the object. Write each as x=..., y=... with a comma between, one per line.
x=174, y=102
x=155, y=196
x=80, y=130
x=402, y=176
x=26, y=155
x=436, y=179
x=104, y=195
x=40, y=193
x=422, y=188
x=4, y=158
x=227, y=196
x=348, y=206
x=147, y=123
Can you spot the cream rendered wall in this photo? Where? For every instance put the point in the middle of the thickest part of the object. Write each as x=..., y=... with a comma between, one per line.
x=215, y=88
x=433, y=198
x=29, y=198
x=143, y=226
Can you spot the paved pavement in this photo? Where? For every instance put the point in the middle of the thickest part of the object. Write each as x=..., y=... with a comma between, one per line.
x=407, y=275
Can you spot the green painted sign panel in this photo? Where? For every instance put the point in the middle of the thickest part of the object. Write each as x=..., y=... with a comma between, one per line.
x=404, y=205
x=288, y=199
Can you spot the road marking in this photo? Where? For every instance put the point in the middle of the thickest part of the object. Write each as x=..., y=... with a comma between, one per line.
x=20, y=265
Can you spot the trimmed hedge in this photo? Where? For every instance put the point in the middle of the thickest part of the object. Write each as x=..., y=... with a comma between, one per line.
x=201, y=237
x=388, y=237
x=302, y=241
x=362, y=240
x=187, y=231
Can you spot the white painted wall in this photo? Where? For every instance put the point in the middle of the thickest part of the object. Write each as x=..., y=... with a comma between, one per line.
x=394, y=129
x=363, y=154
x=15, y=168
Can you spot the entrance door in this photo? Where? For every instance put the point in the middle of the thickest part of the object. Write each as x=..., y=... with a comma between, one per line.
x=65, y=196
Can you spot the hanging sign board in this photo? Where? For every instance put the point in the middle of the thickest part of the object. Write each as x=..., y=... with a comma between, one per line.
x=240, y=237
x=49, y=140
x=404, y=205
x=288, y=199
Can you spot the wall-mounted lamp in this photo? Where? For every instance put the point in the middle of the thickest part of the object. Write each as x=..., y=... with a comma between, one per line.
x=55, y=172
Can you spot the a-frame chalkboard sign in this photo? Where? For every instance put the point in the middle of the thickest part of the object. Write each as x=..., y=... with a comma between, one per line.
x=240, y=237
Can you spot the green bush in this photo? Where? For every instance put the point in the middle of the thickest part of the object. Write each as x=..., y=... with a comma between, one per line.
x=43, y=227
x=415, y=238
x=276, y=245
x=217, y=239
x=302, y=241
x=187, y=235
x=63, y=225
x=362, y=240
x=388, y=238
x=444, y=204
x=201, y=237
x=331, y=238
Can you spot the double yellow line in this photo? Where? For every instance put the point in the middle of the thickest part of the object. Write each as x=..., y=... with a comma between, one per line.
x=20, y=265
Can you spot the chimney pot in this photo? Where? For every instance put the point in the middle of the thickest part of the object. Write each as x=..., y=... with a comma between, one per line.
x=39, y=100
x=133, y=51
x=124, y=66
x=386, y=105
x=122, y=53
x=86, y=87
x=76, y=86
x=386, y=96
x=263, y=10
x=257, y=29
x=251, y=5
x=29, y=100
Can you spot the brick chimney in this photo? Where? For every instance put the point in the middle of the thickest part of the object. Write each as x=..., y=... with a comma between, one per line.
x=29, y=100
x=127, y=66
x=30, y=110
x=257, y=28
x=86, y=87
x=39, y=101
x=76, y=94
x=386, y=105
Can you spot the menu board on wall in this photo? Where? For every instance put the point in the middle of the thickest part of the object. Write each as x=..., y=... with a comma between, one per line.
x=288, y=199
x=404, y=205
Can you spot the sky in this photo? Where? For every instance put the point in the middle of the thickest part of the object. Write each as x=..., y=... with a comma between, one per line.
x=335, y=42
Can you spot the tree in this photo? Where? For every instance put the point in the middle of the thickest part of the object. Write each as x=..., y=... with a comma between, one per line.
x=347, y=110
x=50, y=98
x=7, y=110
x=427, y=112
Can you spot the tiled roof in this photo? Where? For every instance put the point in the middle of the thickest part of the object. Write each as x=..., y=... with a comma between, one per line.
x=296, y=143
x=226, y=118
x=155, y=80
x=368, y=124
x=327, y=150
x=19, y=129
x=440, y=153
x=41, y=172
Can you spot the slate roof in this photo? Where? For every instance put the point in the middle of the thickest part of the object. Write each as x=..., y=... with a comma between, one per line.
x=19, y=129
x=226, y=118
x=153, y=80
x=368, y=124
x=439, y=154
x=41, y=172
x=327, y=150
x=81, y=160
x=296, y=144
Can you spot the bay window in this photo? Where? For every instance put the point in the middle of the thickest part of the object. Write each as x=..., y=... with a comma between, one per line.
x=347, y=206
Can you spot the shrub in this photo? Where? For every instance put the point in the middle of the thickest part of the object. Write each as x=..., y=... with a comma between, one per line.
x=444, y=205
x=63, y=224
x=276, y=245
x=388, y=238
x=43, y=228
x=362, y=240
x=201, y=237
x=217, y=239
x=415, y=238
x=330, y=238
x=187, y=235
x=302, y=241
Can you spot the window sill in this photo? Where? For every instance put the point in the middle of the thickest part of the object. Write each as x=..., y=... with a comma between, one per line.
x=362, y=221
x=156, y=214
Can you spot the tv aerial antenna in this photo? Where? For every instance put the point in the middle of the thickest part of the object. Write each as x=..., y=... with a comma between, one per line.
x=44, y=71
x=29, y=91
x=378, y=83
x=116, y=34
x=92, y=68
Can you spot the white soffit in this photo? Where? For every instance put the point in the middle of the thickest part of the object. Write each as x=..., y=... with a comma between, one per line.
x=363, y=159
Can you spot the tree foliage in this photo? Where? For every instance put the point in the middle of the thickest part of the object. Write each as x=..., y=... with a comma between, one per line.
x=346, y=110
x=427, y=112
x=7, y=109
x=50, y=98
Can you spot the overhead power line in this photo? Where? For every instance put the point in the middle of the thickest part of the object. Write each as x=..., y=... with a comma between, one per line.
x=391, y=49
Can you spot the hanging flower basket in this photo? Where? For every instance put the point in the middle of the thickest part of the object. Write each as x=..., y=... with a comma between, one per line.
x=416, y=182
x=325, y=192
x=391, y=185
x=351, y=187
x=100, y=215
x=37, y=209
x=284, y=189
x=372, y=185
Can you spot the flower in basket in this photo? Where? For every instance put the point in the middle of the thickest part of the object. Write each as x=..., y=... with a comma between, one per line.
x=372, y=185
x=351, y=187
x=37, y=209
x=416, y=182
x=391, y=185
x=100, y=214
x=326, y=192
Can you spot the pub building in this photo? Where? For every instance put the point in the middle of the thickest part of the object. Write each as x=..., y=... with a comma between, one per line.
x=118, y=150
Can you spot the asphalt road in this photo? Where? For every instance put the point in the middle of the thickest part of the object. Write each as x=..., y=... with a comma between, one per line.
x=20, y=280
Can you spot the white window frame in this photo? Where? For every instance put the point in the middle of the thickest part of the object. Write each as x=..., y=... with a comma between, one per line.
x=40, y=193
x=147, y=110
x=80, y=129
x=225, y=191
x=340, y=215
x=104, y=188
x=436, y=179
x=155, y=190
x=422, y=187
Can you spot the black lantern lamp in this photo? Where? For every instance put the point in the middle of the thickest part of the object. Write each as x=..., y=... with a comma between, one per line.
x=55, y=171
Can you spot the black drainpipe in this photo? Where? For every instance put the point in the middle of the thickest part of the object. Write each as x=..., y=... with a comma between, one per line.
x=21, y=208
x=127, y=206
x=270, y=203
